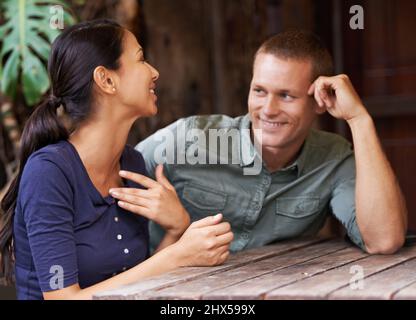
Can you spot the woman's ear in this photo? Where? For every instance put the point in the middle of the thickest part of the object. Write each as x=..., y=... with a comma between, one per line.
x=104, y=79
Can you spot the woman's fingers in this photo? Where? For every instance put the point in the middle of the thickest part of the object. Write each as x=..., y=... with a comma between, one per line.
x=160, y=177
x=133, y=199
x=219, y=228
x=145, y=212
x=208, y=221
x=225, y=239
x=116, y=192
x=139, y=178
x=224, y=256
x=223, y=248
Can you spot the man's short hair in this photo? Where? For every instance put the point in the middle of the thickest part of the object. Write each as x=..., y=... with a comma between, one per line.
x=300, y=45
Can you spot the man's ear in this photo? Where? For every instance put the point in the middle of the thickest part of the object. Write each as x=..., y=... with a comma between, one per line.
x=105, y=80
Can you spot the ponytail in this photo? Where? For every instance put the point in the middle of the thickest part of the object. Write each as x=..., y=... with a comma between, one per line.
x=75, y=54
x=42, y=128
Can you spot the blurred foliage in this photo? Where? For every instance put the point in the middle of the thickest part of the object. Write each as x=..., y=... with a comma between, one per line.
x=25, y=39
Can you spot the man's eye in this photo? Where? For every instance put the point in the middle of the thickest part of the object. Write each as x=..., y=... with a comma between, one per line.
x=257, y=90
x=287, y=97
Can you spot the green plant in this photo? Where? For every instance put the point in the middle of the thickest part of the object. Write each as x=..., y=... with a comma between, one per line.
x=25, y=39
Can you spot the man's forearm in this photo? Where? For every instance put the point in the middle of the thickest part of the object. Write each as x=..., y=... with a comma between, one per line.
x=380, y=205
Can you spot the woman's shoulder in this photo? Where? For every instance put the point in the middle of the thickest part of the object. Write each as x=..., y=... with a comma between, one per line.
x=48, y=171
x=56, y=152
x=53, y=157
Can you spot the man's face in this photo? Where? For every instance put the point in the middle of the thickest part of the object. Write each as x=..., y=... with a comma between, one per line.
x=278, y=101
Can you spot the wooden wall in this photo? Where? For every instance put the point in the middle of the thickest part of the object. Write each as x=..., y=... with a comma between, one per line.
x=381, y=60
x=204, y=49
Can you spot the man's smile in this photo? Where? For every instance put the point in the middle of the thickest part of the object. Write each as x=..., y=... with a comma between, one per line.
x=271, y=124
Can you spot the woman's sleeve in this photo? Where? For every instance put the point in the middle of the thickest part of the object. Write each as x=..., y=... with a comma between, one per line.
x=46, y=198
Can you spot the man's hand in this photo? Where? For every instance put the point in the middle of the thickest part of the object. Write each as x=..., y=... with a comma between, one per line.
x=380, y=206
x=159, y=202
x=338, y=96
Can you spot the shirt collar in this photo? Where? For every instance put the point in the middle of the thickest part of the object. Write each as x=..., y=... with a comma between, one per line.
x=248, y=152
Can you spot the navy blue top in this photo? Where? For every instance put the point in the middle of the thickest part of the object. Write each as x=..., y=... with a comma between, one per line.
x=65, y=232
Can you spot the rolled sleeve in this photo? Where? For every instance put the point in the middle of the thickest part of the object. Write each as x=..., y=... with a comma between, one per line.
x=342, y=202
x=46, y=198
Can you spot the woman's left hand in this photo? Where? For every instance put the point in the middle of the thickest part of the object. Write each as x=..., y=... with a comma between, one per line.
x=158, y=203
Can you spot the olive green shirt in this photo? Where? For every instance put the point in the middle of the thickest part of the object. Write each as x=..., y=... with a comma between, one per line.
x=265, y=207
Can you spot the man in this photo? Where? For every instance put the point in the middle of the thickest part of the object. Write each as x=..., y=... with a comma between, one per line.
x=305, y=174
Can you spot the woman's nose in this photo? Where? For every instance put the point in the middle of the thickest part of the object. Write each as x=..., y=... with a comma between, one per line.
x=155, y=73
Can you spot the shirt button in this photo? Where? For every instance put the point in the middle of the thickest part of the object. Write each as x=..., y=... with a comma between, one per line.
x=124, y=268
x=114, y=274
x=119, y=237
x=126, y=251
x=116, y=219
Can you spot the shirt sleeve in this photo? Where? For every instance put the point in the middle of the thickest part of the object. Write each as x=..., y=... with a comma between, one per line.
x=47, y=202
x=342, y=201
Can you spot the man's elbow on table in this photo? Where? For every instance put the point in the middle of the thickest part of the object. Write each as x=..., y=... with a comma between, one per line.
x=388, y=245
x=387, y=237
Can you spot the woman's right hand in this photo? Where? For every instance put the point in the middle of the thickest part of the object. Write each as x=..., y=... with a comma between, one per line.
x=205, y=243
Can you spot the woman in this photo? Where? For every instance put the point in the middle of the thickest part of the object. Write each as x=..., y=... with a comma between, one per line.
x=68, y=237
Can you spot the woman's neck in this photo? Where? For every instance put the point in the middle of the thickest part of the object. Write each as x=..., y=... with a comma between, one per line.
x=100, y=144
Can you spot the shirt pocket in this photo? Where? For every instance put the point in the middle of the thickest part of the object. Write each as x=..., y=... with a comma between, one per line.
x=201, y=201
x=295, y=215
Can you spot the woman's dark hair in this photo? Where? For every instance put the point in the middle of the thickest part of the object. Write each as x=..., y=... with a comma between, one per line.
x=75, y=53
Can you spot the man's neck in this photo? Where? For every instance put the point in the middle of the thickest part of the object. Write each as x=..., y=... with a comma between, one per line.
x=278, y=158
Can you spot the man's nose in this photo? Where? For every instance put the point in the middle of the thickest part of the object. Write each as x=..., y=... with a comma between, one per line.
x=271, y=107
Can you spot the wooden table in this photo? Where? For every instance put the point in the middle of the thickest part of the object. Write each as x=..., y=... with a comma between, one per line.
x=300, y=269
